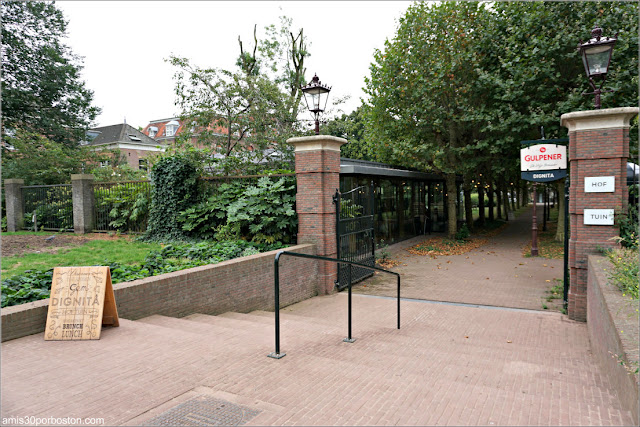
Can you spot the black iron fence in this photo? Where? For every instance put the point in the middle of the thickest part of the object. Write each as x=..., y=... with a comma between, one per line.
x=121, y=206
x=48, y=207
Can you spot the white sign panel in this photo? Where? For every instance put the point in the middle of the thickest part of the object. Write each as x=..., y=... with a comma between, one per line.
x=543, y=157
x=600, y=184
x=598, y=216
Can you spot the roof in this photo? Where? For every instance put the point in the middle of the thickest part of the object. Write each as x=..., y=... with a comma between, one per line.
x=161, y=125
x=122, y=133
x=363, y=167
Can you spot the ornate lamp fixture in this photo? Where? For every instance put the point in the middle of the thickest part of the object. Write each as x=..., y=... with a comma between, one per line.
x=596, y=56
x=316, y=95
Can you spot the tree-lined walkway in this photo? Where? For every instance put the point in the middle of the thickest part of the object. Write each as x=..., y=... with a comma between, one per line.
x=495, y=274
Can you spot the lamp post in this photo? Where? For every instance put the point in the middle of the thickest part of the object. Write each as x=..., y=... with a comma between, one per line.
x=596, y=57
x=316, y=95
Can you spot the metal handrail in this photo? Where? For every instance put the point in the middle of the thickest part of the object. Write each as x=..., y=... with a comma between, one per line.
x=276, y=265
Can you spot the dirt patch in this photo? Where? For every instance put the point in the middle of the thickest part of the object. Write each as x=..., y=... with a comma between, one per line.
x=17, y=245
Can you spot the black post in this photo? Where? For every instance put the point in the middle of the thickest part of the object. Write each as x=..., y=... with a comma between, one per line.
x=534, y=225
x=545, y=201
x=349, y=339
x=398, y=301
x=276, y=289
x=566, y=244
x=336, y=200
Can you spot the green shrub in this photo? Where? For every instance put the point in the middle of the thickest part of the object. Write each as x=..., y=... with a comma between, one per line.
x=175, y=189
x=262, y=212
x=34, y=285
x=624, y=274
x=463, y=233
x=124, y=207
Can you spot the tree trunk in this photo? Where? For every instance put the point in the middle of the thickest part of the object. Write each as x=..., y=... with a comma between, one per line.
x=499, y=201
x=560, y=192
x=491, y=203
x=481, y=217
x=517, y=195
x=512, y=196
x=451, y=205
x=505, y=200
x=468, y=209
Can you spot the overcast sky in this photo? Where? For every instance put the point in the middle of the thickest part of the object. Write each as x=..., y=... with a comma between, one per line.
x=124, y=45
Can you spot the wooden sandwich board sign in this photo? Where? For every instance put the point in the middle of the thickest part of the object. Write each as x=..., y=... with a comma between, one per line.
x=81, y=302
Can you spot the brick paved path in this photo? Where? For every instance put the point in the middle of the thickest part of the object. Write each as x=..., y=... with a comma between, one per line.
x=448, y=365
x=495, y=274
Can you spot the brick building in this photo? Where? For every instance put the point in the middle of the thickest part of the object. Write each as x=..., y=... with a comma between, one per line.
x=134, y=145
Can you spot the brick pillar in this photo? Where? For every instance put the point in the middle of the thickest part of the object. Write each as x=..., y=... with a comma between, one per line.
x=13, y=201
x=318, y=178
x=598, y=147
x=83, y=203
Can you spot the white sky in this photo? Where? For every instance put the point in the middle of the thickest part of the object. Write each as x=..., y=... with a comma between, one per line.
x=124, y=45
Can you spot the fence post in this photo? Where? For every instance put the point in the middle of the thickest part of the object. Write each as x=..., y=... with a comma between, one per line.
x=14, y=205
x=83, y=203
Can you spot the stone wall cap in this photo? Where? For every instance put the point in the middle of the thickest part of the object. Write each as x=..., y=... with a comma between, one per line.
x=14, y=181
x=598, y=119
x=79, y=176
x=317, y=142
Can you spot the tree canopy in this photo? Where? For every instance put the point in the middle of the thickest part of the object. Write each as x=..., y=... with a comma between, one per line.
x=462, y=83
x=42, y=90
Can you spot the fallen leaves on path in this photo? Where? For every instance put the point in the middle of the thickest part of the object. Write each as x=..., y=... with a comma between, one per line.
x=387, y=263
x=437, y=246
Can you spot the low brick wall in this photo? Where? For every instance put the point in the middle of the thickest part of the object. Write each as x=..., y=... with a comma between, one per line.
x=241, y=285
x=612, y=322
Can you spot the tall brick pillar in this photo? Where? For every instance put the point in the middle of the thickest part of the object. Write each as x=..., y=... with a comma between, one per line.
x=598, y=150
x=318, y=178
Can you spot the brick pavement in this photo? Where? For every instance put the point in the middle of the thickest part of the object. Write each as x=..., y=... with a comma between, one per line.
x=495, y=274
x=448, y=365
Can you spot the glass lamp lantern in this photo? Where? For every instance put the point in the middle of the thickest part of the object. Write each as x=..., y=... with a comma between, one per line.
x=316, y=96
x=596, y=57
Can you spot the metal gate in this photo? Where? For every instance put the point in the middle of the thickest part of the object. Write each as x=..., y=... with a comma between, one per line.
x=355, y=233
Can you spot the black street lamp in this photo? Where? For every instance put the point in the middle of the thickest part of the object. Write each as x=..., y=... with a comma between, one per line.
x=316, y=95
x=596, y=56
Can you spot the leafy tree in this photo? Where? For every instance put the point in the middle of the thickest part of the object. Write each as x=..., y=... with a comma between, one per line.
x=249, y=112
x=352, y=128
x=41, y=161
x=422, y=93
x=42, y=90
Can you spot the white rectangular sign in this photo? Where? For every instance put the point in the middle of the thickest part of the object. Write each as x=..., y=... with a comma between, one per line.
x=599, y=184
x=598, y=216
x=543, y=157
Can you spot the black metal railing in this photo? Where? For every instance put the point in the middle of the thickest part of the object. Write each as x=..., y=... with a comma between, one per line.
x=277, y=354
x=121, y=206
x=48, y=207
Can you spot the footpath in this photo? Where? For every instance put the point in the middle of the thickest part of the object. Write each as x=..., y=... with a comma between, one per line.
x=495, y=274
x=449, y=364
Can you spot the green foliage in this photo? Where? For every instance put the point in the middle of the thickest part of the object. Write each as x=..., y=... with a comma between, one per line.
x=34, y=285
x=118, y=172
x=628, y=224
x=245, y=115
x=624, y=274
x=127, y=206
x=262, y=212
x=463, y=233
x=41, y=161
x=42, y=89
x=175, y=189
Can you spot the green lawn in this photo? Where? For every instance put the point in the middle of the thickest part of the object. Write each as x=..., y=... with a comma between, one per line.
x=94, y=252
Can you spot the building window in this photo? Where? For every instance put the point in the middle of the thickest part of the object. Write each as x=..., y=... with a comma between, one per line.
x=105, y=163
x=142, y=165
x=171, y=128
x=152, y=131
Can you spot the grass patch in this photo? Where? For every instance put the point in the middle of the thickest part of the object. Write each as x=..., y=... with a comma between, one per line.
x=94, y=252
